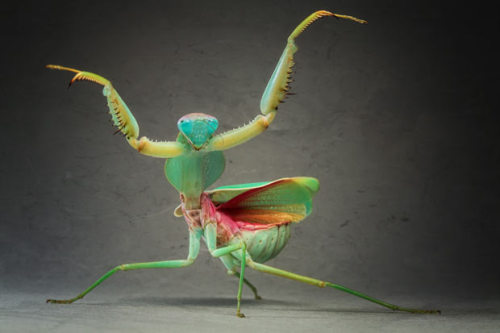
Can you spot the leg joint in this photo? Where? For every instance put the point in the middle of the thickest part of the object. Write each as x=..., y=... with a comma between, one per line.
x=189, y=261
x=227, y=249
x=263, y=122
x=250, y=262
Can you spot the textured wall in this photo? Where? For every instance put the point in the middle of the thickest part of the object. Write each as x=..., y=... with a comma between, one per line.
x=398, y=119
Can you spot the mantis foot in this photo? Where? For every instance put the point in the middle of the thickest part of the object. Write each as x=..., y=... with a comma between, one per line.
x=60, y=301
x=239, y=314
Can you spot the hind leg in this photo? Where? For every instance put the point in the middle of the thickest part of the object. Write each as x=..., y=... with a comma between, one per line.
x=194, y=247
x=301, y=278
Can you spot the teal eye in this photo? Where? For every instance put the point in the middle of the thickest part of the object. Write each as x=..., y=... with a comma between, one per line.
x=185, y=126
x=213, y=124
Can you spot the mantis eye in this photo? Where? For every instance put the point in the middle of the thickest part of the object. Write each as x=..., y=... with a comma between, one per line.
x=213, y=124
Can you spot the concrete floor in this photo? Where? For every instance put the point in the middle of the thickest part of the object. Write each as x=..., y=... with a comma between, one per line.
x=21, y=312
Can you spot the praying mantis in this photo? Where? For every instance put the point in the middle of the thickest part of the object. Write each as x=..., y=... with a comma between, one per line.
x=242, y=225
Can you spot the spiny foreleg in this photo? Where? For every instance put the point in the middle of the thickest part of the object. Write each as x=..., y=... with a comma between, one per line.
x=123, y=119
x=276, y=90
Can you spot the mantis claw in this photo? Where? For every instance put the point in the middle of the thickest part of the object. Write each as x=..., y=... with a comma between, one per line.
x=81, y=75
x=121, y=116
x=123, y=119
x=278, y=86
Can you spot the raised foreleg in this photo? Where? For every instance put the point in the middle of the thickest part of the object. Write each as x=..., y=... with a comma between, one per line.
x=124, y=120
x=276, y=90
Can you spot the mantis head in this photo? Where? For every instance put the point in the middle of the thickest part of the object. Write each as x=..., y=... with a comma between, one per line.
x=197, y=128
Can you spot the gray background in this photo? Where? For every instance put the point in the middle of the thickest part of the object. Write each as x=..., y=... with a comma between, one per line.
x=398, y=119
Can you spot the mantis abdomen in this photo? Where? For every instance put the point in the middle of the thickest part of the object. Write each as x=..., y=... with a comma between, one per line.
x=265, y=244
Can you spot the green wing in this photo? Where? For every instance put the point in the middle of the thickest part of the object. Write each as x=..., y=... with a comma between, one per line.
x=280, y=201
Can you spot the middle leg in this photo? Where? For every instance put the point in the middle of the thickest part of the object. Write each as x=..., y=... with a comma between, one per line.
x=230, y=264
x=210, y=233
x=249, y=284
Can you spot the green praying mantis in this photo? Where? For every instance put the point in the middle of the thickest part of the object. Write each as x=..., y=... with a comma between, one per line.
x=242, y=225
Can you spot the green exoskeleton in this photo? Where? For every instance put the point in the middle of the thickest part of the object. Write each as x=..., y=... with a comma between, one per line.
x=243, y=225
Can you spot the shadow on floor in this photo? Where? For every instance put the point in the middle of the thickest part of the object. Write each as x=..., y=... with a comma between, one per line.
x=271, y=304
